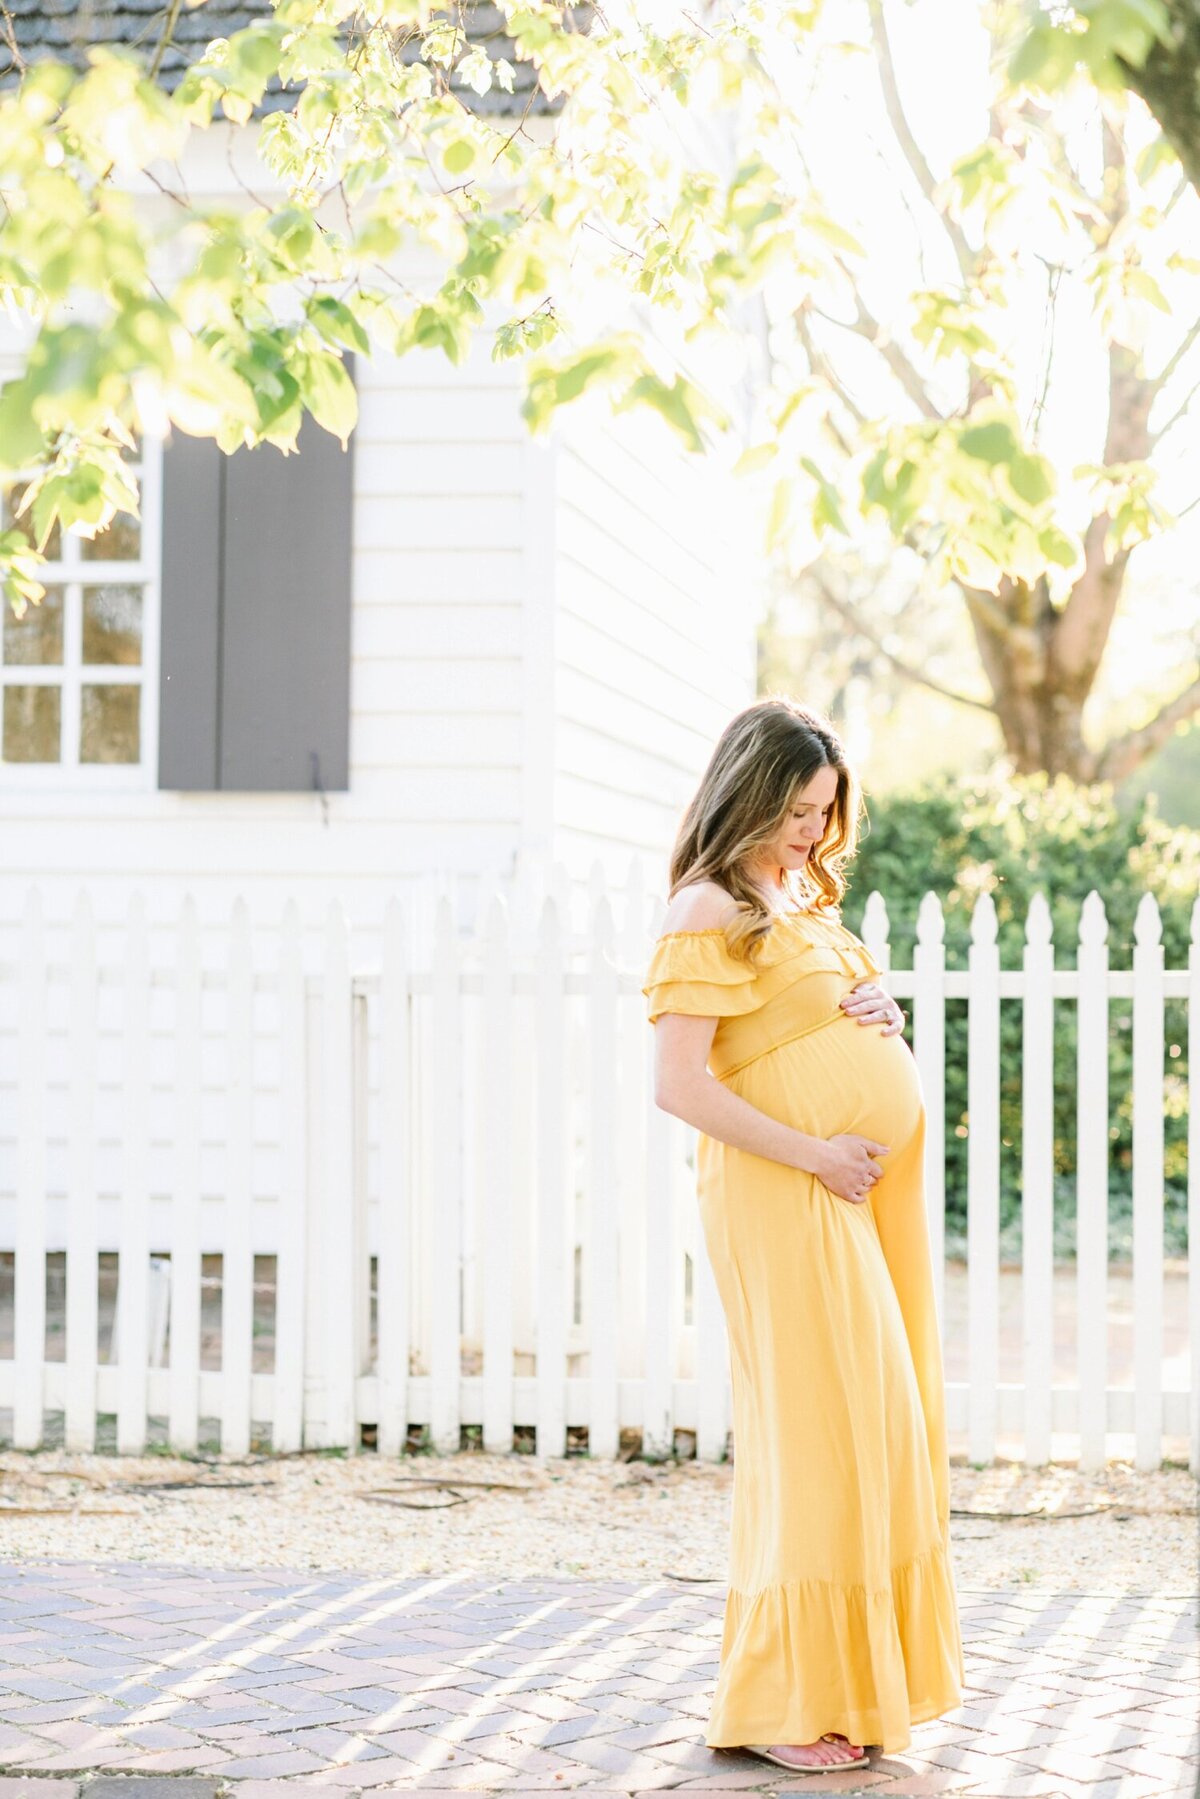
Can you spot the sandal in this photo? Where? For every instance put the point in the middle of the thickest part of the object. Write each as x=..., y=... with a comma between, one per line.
x=829, y=1736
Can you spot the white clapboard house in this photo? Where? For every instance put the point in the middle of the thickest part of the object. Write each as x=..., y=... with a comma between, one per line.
x=447, y=664
x=450, y=649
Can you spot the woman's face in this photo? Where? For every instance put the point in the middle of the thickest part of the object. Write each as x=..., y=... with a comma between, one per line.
x=804, y=825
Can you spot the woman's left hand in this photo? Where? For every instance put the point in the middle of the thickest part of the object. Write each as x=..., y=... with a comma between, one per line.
x=869, y=1004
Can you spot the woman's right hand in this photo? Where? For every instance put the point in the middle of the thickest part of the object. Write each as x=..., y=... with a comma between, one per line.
x=847, y=1168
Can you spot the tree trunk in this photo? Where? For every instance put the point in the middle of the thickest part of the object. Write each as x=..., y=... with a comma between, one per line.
x=1169, y=83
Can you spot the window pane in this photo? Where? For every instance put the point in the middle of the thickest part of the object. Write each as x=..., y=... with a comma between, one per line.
x=122, y=542
x=32, y=724
x=112, y=624
x=36, y=640
x=24, y=524
x=110, y=723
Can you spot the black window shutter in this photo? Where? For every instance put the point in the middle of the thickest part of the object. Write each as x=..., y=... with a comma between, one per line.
x=255, y=669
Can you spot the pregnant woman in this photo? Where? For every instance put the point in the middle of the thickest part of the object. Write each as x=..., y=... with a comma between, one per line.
x=774, y=1039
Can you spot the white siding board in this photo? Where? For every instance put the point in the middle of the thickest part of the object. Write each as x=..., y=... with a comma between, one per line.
x=462, y=471
x=429, y=370
x=476, y=796
x=666, y=519
x=658, y=688
x=482, y=739
x=594, y=602
x=611, y=715
x=435, y=684
x=602, y=813
x=458, y=413
x=273, y=863
x=633, y=558
x=425, y=632
x=483, y=522
x=453, y=575
x=620, y=764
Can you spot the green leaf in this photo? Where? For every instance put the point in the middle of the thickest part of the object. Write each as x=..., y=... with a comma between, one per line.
x=330, y=395
x=674, y=401
x=576, y=377
x=21, y=437
x=757, y=456
x=826, y=508
x=1057, y=547
x=458, y=156
x=1032, y=478
x=1142, y=283
x=1045, y=58
x=993, y=442
x=824, y=227
x=780, y=512
x=337, y=324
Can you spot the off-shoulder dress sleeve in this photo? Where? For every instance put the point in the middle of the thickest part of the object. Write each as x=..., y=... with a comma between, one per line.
x=693, y=971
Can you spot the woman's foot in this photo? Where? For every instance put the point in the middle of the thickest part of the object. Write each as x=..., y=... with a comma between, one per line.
x=830, y=1751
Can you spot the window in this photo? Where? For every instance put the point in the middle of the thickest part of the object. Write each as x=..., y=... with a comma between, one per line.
x=78, y=673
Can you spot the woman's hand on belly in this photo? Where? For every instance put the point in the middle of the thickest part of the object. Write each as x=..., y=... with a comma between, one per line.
x=869, y=1004
x=847, y=1168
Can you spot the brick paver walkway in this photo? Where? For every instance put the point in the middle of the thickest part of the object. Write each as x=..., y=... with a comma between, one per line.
x=262, y=1684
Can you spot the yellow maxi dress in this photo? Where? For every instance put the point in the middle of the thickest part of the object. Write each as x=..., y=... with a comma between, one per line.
x=841, y=1612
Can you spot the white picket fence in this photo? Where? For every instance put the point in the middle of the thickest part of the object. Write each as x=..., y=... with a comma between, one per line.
x=467, y=1114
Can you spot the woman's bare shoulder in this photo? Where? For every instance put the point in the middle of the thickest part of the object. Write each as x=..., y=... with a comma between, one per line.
x=700, y=906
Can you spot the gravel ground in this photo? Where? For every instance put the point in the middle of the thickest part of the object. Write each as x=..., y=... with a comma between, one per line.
x=509, y=1516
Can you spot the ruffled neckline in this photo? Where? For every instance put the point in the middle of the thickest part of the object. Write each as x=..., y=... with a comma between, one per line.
x=718, y=930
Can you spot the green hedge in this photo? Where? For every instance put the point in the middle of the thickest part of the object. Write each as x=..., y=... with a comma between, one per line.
x=1009, y=838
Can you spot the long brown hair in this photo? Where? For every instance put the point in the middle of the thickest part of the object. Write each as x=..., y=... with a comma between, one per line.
x=764, y=757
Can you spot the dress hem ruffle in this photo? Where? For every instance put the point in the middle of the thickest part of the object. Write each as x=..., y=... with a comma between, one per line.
x=874, y=1661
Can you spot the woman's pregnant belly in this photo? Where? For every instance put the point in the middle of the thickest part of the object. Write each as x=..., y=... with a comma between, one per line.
x=841, y=1077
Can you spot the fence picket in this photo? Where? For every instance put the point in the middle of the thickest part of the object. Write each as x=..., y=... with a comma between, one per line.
x=445, y=1355
x=633, y=1046
x=660, y=1330
x=983, y=1176
x=237, y=1262
x=551, y=1187
x=1091, y=1183
x=1148, y=1044
x=876, y=930
x=82, y=1270
x=287, y=1423
x=339, y=1247
x=133, y=1278
x=394, y=1271
x=601, y=1310
x=929, y=1049
x=29, y=1273
x=1037, y=1179
x=496, y=1114
x=184, y=1377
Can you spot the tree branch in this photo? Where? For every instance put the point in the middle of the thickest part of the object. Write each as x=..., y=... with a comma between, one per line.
x=867, y=326
x=1120, y=757
x=10, y=38
x=989, y=615
x=913, y=155
x=1180, y=412
x=168, y=32
x=846, y=610
x=1160, y=380
x=1054, y=272
x=820, y=364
